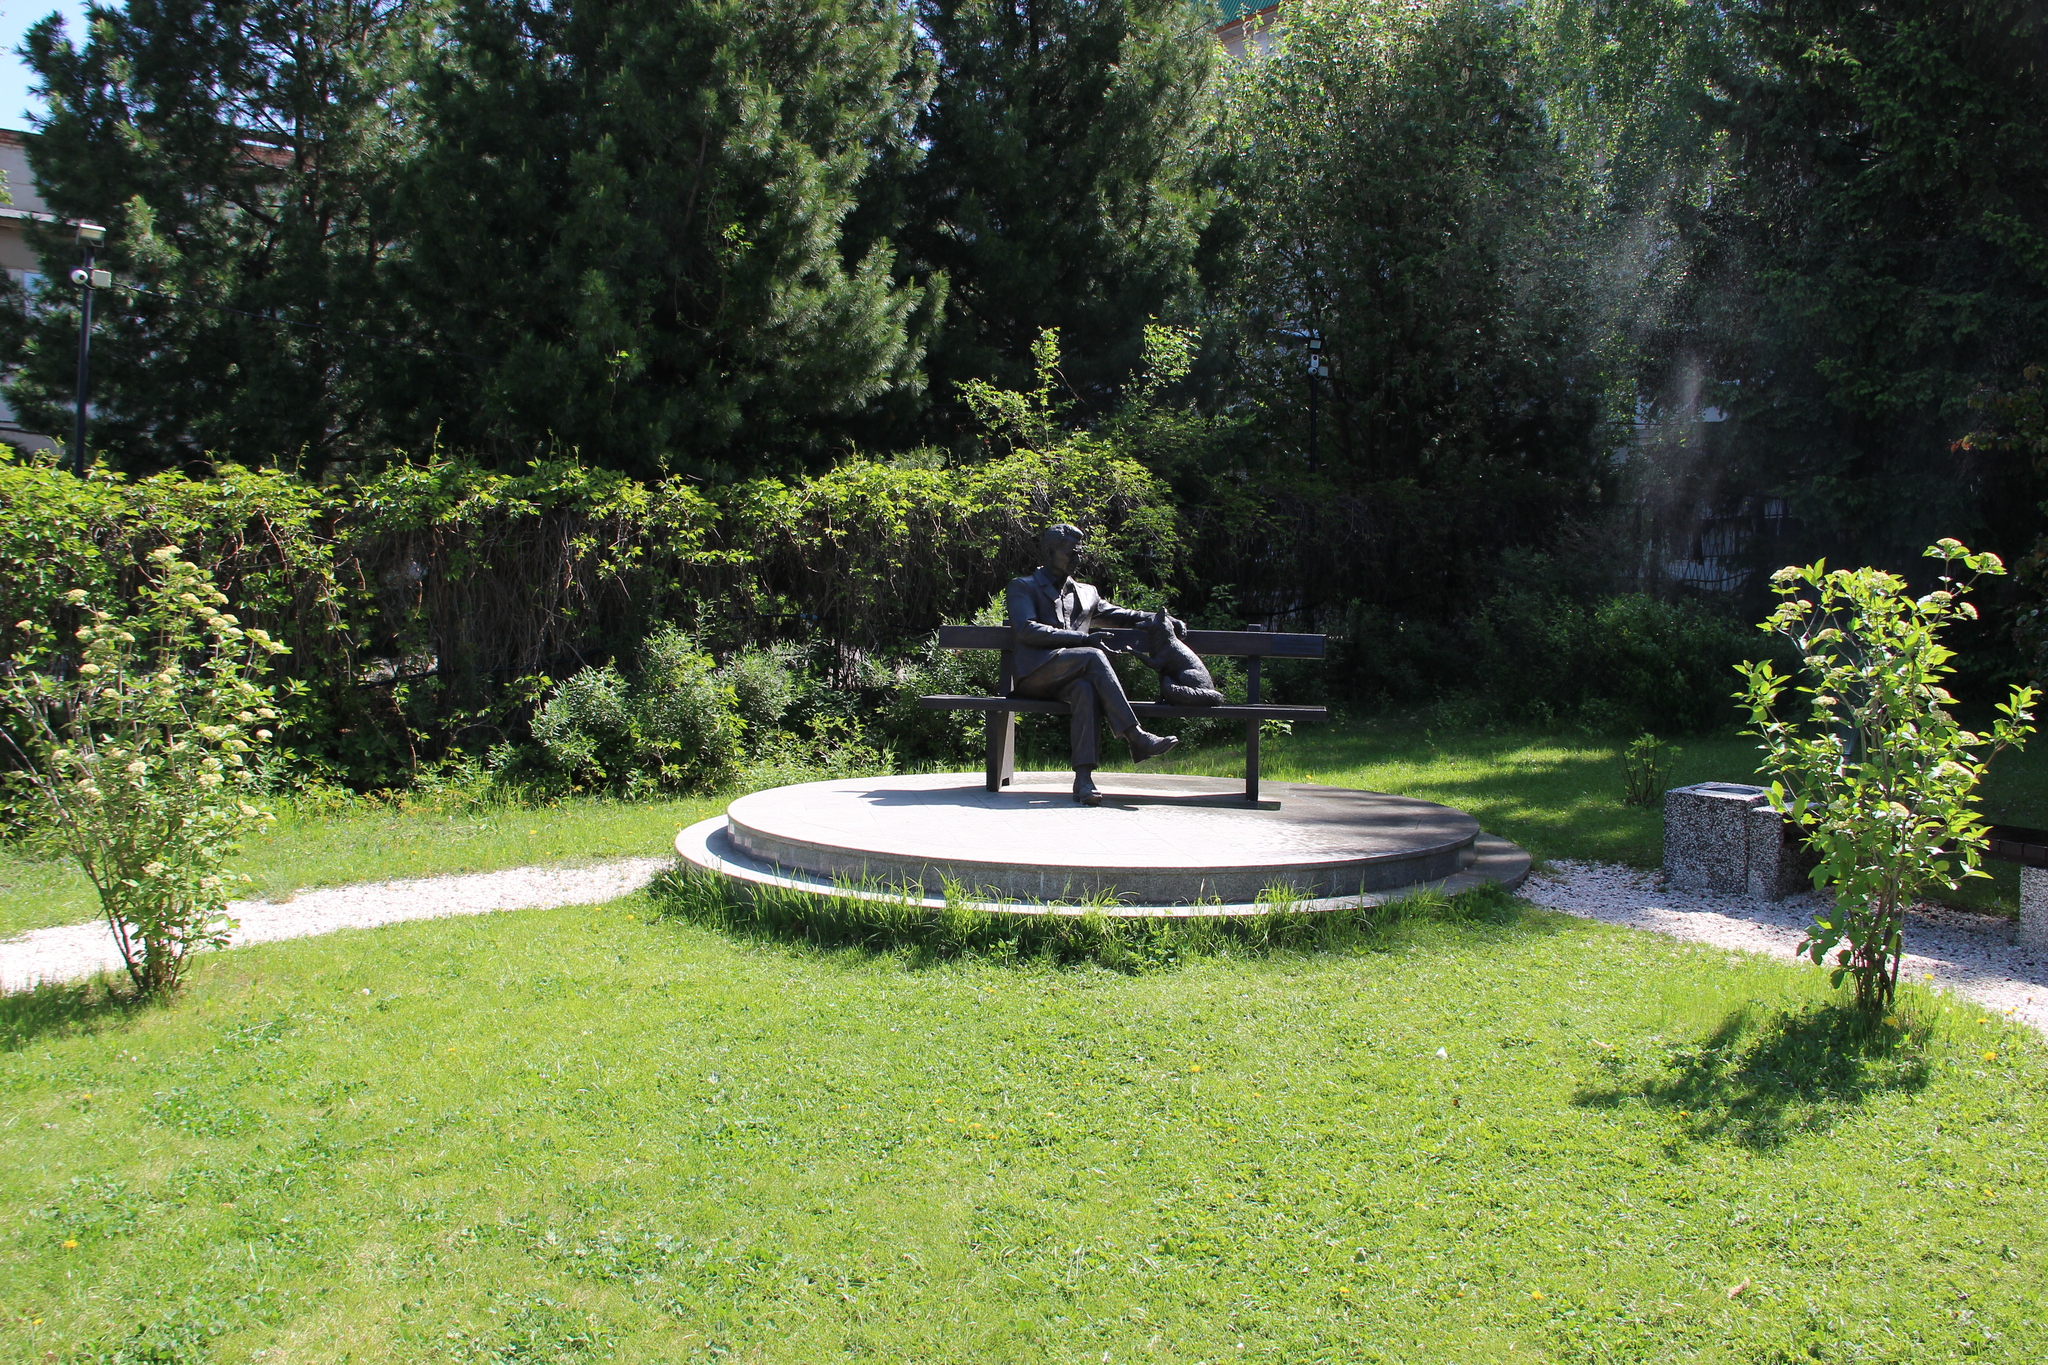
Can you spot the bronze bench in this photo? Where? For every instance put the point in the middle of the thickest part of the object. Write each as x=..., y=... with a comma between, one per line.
x=1251, y=645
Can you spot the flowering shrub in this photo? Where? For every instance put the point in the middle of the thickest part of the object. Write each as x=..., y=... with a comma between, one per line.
x=1876, y=771
x=135, y=749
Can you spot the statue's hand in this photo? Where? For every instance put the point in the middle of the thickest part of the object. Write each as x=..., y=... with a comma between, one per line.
x=1106, y=642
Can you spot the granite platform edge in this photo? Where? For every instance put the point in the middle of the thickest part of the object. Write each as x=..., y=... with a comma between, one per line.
x=707, y=847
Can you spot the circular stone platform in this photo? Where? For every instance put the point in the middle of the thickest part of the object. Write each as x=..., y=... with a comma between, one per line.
x=1157, y=845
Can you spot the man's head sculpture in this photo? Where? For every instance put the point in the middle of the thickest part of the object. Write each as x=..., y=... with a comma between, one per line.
x=1060, y=537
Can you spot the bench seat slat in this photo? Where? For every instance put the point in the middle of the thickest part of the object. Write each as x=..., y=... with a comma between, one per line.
x=1143, y=708
x=1230, y=643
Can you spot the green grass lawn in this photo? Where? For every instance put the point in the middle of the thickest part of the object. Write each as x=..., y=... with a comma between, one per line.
x=594, y=1134
x=372, y=843
x=1559, y=796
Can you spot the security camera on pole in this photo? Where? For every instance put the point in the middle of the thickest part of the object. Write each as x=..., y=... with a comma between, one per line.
x=87, y=278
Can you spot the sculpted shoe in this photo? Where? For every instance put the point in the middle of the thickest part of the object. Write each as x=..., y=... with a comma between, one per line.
x=1084, y=788
x=1144, y=746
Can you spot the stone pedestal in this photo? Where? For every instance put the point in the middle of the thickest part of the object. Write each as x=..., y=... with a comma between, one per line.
x=1780, y=864
x=2033, y=931
x=1724, y=836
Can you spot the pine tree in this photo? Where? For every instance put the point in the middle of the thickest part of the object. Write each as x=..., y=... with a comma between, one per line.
x=1063, y=185
x=626, y=235
x=236, y=153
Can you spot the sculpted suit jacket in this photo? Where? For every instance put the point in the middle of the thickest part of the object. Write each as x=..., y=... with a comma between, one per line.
x=1047, y=616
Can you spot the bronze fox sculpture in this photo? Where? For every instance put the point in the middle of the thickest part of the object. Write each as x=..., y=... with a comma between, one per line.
x=1183, y=679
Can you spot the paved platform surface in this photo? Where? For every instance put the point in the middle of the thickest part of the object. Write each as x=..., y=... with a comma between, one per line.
x=1031, y=843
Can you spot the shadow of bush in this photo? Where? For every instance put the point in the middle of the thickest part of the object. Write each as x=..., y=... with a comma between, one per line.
x=897, y=924
x=53, y=1009
x=1757, y=1082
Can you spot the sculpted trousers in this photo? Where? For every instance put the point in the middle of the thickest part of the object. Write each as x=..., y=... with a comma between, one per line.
x=1084, y=680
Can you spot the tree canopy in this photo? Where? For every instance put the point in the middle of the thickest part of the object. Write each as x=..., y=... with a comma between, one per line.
x=1590, y=277
x=239, y=154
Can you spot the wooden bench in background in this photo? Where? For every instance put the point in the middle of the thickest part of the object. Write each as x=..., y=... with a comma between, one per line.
x=1251, y=645
x=2016, y=844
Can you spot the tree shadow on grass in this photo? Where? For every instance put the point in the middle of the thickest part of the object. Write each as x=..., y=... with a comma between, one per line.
x=1758, y=1082
x=57, y=1009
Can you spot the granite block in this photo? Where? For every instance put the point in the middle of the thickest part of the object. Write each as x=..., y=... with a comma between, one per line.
x=1707, y=835
x=2033, y=931
x=1780, y=864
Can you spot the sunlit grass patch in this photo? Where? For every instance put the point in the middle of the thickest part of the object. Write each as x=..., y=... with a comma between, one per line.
x=577, y=1133
x=879, y=919
x=377, y=841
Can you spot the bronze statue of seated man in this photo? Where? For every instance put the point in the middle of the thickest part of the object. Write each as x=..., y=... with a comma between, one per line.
x=1062, y=654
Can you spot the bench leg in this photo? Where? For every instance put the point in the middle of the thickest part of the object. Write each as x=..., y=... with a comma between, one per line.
x=1251, y=729
x=1001, y=759
x=1251, y=761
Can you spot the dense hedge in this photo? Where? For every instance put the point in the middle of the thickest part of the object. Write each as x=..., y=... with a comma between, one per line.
x=1626, y=662
x=429, y=607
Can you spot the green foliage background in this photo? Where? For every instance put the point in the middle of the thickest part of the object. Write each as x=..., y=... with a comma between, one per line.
x=428, y=607
x=590, y=317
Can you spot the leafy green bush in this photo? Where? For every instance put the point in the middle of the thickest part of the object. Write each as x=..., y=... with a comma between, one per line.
x=586, y=727
x=1646, y=766
x=832, y=747
x=1620, y=663
x=1877, y=771
x=136, y=754
x=765, y=686
x=674, y=724
x=688, y=716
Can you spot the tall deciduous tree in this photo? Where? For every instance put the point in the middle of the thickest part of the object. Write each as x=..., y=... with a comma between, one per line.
x=626, y=236
x=1878, y=251
x=1063, y=182
x=1406, y=202
x=236, y=151
x=1404, y=198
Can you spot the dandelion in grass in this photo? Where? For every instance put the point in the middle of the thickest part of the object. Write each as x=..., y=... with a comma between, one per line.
x=70, y=1245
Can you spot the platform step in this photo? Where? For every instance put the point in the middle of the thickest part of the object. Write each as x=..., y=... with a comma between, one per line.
x=931, y=835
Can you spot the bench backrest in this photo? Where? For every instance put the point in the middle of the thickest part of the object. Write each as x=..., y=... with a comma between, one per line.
x=1243, y=644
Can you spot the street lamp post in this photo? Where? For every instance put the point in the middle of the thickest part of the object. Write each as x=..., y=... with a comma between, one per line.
x=88, y=278
x=1316, y=370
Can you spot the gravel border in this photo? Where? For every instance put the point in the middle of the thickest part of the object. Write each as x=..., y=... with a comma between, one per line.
x=73, y=952
x=1973, y=955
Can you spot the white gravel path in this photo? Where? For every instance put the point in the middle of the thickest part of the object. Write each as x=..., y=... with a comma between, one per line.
x=1972, y=955
x=73, y=952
